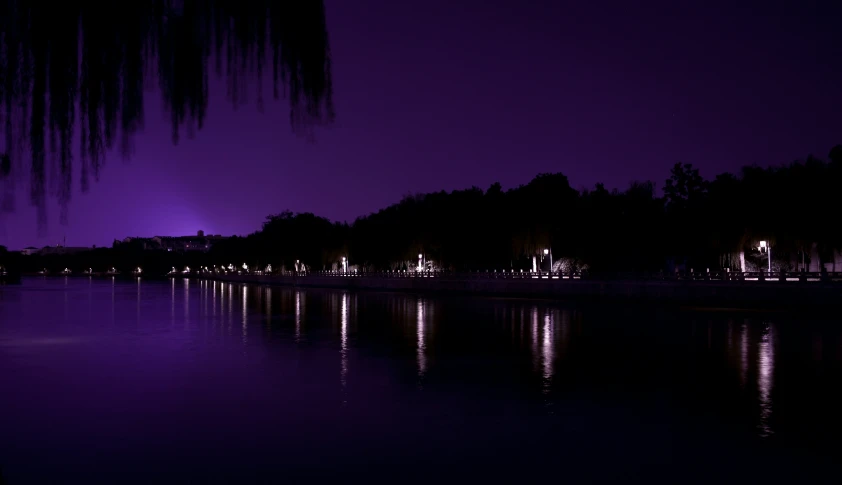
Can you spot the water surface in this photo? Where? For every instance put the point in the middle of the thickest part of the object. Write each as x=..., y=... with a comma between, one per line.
x=133, y=381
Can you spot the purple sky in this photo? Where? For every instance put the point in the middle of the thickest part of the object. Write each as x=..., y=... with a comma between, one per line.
x=445, y=94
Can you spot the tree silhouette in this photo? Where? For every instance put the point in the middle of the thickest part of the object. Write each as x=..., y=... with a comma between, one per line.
x=684, y=187
x=83, y=67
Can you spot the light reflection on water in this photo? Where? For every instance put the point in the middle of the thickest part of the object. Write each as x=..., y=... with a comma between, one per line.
x=547, y=351
x=422, y=358
x=343, y=374
x=172, y=301
x=245, y=311
x=766, y=365
x=186, y=283
x=298, y=297
x=230, y=308
x=536, y=353
x=401, y=357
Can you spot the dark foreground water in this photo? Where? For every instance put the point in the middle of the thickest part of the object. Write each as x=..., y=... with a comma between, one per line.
x=182, y=381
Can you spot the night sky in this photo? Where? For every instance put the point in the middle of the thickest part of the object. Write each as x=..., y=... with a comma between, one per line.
x=446, y=94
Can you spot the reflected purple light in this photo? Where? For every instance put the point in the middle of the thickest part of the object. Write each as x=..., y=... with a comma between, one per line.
x=766, y=368
x=230, y=308
x=343, y=349
x=245, y=314
x=548, y=355
x=536, y=356
x=172, y=302
x=421, y=345
x=269, y=306
x=186, y=302
x=297, y=316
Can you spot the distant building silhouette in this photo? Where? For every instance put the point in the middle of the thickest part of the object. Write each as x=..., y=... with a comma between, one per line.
x=199, y=242
x=47, y=250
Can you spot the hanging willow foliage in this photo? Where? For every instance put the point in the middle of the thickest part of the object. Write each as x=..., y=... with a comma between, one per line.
x=77, y=61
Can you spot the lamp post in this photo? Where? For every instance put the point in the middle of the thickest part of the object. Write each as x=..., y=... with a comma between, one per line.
x=768, y=248
x=420, y=262
x=548, y=254
x=344, y=265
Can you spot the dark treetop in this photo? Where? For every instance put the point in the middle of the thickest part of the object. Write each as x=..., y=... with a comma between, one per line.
x=76, y=68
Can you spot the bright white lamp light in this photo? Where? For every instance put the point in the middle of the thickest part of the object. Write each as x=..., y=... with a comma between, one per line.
x=546, y=251
x=762, y=244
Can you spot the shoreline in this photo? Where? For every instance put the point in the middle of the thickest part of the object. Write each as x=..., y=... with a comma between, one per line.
x=711, y=295
x=708, y=295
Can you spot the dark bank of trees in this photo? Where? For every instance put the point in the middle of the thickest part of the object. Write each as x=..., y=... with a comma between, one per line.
x=694, y=222
x=81, y=69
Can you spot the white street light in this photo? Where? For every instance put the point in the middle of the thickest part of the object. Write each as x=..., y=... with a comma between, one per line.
x=768, y=247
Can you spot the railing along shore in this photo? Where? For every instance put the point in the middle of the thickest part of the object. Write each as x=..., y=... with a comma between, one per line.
x=730, y=276
x=679, y=276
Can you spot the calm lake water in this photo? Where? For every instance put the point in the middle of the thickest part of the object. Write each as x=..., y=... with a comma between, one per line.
x=183, y=381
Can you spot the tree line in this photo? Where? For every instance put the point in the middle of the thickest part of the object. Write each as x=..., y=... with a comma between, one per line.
x=695, y=222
